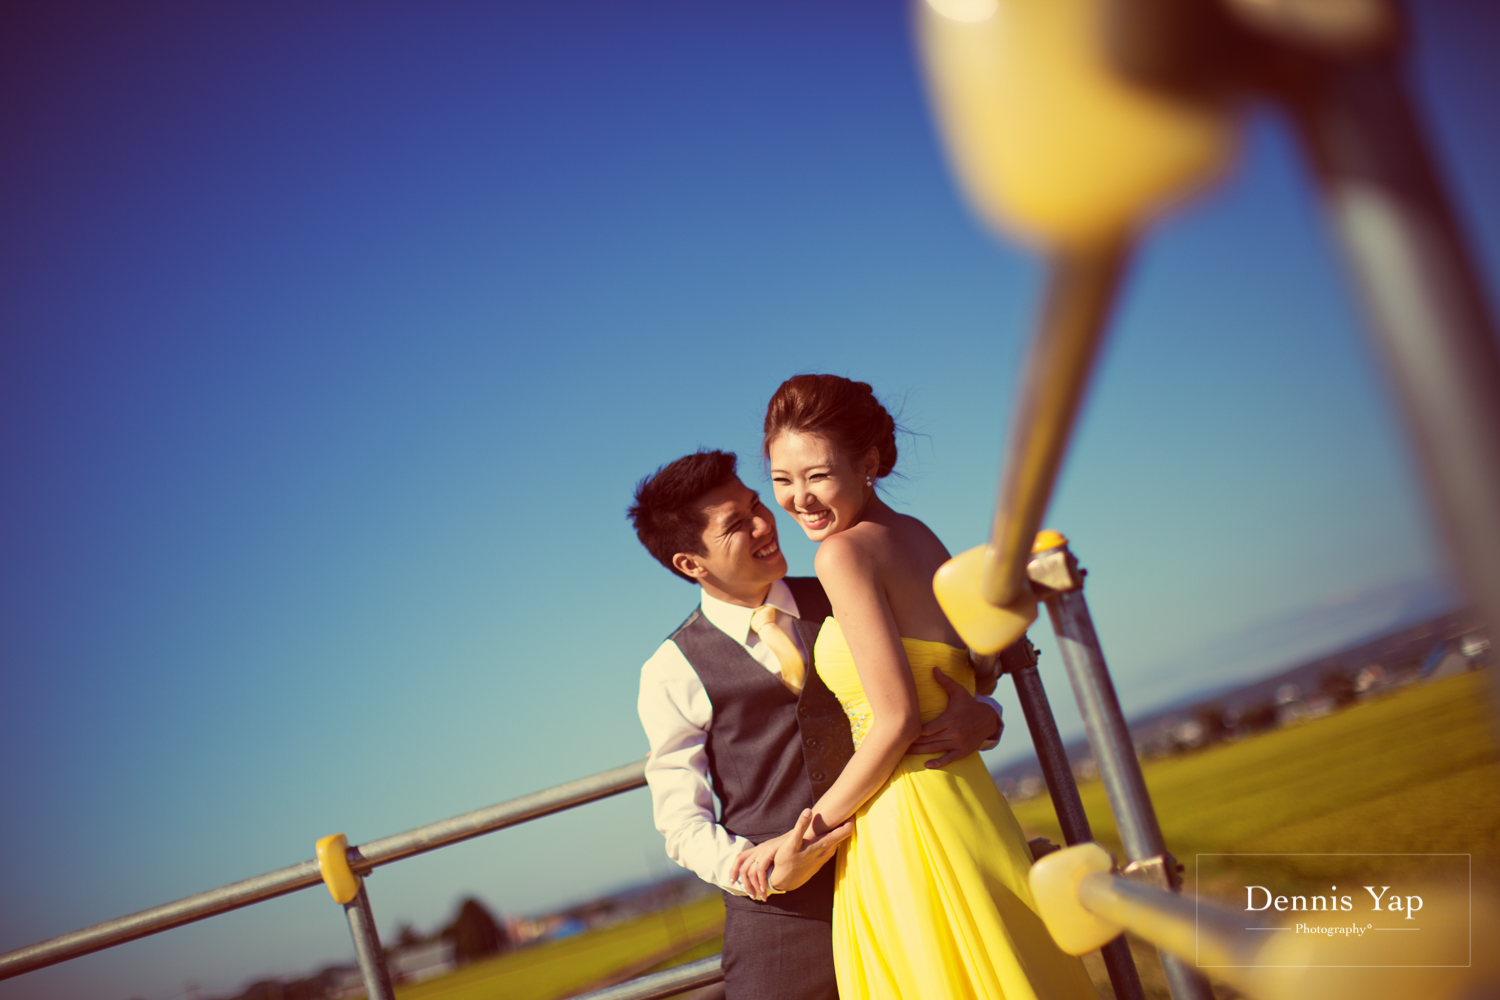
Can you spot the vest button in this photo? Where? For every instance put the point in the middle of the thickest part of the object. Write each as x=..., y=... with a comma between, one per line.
x=802, y=710
x=811, y=743
x=816, y=776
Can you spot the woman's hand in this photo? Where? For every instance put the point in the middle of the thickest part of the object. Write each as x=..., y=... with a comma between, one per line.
x=795, y=857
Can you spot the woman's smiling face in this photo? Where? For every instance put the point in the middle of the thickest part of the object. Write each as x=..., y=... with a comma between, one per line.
x=823, y=488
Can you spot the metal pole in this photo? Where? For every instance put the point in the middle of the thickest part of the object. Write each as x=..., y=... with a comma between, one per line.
x=1429, y=315
x=301, y=876
x=367, y=948
x=1052, y=756
x=1081, y=291
x=1118, y=961
x=1109, y=738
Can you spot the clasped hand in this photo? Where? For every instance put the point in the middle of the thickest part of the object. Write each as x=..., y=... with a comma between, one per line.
x=788, y=861
x=961, y=729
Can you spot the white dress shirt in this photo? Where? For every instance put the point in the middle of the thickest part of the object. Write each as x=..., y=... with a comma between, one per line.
x=676, y=713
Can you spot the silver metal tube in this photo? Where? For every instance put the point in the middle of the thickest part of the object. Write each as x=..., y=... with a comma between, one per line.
x=1168, y=920
x=1053, y=756
x=301, y=876
x=704, y=972
x=367, y=949
x=1081, y=291
x=159, y=918
x=1431, y=321
x=1114, y=752
x=1103, y=720
x=528, y=807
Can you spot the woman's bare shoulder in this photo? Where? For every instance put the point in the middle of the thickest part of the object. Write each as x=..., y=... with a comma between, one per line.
x=857, y=547
x=920, y=538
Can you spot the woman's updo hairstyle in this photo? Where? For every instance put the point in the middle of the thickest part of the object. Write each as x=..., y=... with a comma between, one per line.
x=842, y=410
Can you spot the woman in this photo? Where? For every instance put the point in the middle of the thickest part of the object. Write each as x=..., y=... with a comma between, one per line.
x=931, y=897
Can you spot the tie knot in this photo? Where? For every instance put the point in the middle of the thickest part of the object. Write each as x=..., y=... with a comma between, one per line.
x=793, y=667
x=762, y=616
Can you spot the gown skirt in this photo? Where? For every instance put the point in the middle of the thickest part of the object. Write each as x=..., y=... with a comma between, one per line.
x=931, y=897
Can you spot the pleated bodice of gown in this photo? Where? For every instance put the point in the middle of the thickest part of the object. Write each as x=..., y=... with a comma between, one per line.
x=931, y=898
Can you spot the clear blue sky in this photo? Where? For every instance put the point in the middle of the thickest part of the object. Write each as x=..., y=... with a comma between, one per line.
x=333, y=338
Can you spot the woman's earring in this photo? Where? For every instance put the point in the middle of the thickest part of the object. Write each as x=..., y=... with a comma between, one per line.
x=869, y=481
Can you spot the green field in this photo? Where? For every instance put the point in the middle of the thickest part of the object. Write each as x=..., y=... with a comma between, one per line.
x=586, y=961
x=1416, y=771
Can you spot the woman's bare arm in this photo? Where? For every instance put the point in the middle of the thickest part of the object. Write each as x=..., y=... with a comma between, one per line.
x=849, y=571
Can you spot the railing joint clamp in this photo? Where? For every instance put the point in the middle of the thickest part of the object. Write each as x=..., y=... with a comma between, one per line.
x=333, y=862
x=1162, y=871
x=1018, y=656
x=1054, y=570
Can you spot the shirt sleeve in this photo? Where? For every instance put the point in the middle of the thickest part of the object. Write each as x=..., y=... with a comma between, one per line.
x=675, y=711
x=999, y=717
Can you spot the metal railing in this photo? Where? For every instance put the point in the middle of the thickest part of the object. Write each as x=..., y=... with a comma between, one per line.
x=1403, y=242
x=1055, y=574
x=363, y=859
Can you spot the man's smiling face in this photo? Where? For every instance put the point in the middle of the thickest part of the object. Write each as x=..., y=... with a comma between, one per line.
x=741, y=556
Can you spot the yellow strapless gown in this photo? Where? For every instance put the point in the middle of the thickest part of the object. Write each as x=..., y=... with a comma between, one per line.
x=931, y=898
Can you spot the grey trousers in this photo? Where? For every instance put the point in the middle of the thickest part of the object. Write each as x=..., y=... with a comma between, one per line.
x=777, y=956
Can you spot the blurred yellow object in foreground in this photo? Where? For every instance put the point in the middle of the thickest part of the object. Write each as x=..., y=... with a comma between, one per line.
x=983, y=627
x=1048, y=141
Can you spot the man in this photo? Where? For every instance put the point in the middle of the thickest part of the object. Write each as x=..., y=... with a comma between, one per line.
x=733, y=708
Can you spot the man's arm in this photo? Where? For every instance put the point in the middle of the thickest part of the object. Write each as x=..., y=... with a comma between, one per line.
x=968, y=724
x=787, y=862
x=675, y=711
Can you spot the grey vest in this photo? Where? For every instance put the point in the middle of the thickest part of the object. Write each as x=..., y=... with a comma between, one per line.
x=770, y=753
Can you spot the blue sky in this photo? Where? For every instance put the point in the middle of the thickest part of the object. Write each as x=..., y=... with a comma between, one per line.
x=333, y=338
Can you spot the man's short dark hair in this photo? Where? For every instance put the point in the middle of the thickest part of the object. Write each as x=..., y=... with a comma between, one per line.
x=668, y=512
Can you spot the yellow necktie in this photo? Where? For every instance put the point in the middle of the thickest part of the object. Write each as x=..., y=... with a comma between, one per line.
x=793, y=670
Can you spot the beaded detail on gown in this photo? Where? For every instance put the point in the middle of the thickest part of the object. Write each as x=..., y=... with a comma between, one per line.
x=931, y=898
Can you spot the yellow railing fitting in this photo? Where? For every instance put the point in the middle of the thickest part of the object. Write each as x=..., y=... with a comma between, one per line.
x=1055, y=880
x=1047, y=539
x=333, y=862
x=984, y=627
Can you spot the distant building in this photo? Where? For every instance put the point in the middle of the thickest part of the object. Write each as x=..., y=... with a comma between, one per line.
x=1189, y=734
x=1451, y=664
x=1474, y=645
x=1320, y=706
x=1029, y=787
x=416, y=962
x=1455, y=656
x=345, y=983
x=1371, y=679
